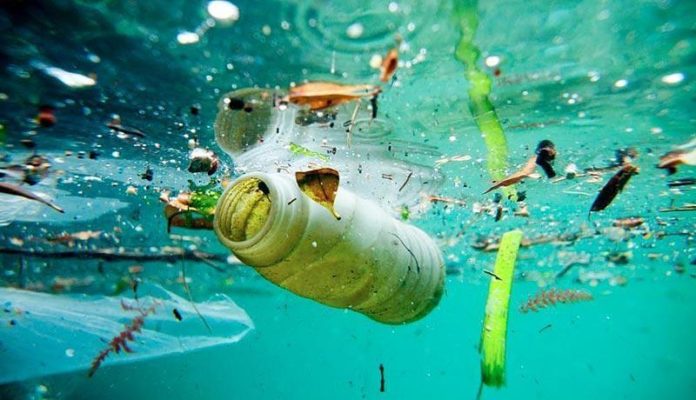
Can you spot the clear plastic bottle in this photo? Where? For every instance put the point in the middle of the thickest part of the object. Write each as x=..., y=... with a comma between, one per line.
x=367, y=261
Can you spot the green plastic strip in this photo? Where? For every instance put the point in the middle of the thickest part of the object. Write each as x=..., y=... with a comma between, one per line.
x=480, y=106
x=495, y=322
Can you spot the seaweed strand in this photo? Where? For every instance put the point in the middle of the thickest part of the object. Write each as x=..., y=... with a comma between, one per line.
x=547, y=298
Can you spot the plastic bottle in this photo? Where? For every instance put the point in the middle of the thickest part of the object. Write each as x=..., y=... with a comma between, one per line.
x=366, y=261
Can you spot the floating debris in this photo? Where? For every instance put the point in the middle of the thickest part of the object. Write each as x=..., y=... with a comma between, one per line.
x=192, y=210
x=71, y=79
x=321, y=186
x=69, y=239
x=116, y=125
x=389, y=64
x=381, y=378
x=297, y=149
x=546, y=153
x=223, y=11
x=613, y=187
x=320, y=95
x=494, y=330
x=148, y=174
x=682, y=182
x=120, y=342
x=685, y=207
x=546, y=298
x=15, y=190
x=527, y=170
x=685, y=154
x=203, y=160
x=46, y=117
x=630, y=222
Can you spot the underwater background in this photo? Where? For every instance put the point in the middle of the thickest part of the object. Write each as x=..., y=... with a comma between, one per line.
x=601, y=79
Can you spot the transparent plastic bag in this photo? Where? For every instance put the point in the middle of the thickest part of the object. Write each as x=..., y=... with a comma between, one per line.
x=43, y=334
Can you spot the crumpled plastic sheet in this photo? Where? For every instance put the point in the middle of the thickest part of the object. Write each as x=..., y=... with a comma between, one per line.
x=43, y=334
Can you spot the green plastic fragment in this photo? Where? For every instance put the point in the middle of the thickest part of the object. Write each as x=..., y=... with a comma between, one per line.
x=297, y=149
x=480, y=106
x=405, y=213
x=495, y=321
x=205, y=201
x=2, y=134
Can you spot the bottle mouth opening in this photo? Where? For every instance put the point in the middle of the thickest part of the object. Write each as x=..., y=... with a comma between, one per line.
x=243, y=212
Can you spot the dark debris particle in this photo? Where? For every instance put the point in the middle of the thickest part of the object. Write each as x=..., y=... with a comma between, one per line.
x=264, y=188
x=28, y=143
x=147, y=175
x=195, y=109
x=235, y=104
x=177, y=314
x=93, y=155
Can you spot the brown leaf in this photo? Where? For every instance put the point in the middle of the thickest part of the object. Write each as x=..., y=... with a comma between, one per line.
x=389, y=64
x=527, y=170
x=673, y=159
x=321, y=186
x=320, y=95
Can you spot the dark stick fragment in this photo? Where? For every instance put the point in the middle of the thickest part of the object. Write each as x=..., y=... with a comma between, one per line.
x=682, y=182
x=613, y=187
x=373, y=103
x=410, y=174
x=492, y=274
x=381, y=380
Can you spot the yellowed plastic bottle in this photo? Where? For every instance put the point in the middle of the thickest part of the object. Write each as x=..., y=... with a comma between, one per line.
x=367, y=261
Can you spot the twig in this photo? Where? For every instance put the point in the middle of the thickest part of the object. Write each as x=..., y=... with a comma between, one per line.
x=439, y=199
x=115, y=254
x=410, y=174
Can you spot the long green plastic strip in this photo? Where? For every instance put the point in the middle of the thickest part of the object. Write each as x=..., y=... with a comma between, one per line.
x=495, y=322
x=480, y=106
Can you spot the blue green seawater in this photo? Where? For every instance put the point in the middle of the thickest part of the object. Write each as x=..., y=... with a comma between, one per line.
x=592, y=76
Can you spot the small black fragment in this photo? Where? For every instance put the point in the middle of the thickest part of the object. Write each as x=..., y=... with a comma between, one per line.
x=177, y=315
x=248, y=109
x=521, y=196
x=373, y=103
x=546, y=153
x=235, y=104
x=28, y=143
x=93, y=154
x=498, y=213
x=497, y=197
x=195, y=109
x=147, y=175
x=264, y=188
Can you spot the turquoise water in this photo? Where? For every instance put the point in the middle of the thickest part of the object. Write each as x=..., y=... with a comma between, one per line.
x=594, y=77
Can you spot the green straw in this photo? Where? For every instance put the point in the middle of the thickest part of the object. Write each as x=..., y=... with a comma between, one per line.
x=480, y=105
x=495, y=322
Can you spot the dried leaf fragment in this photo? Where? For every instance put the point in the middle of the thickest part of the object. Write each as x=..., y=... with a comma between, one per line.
x=321, y=186
x=320, y=95
x=675, y=158
x=613, y=187
x=389, y=64
x=527, y=170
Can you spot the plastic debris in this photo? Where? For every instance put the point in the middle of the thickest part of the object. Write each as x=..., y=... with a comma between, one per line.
x=46, y=325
